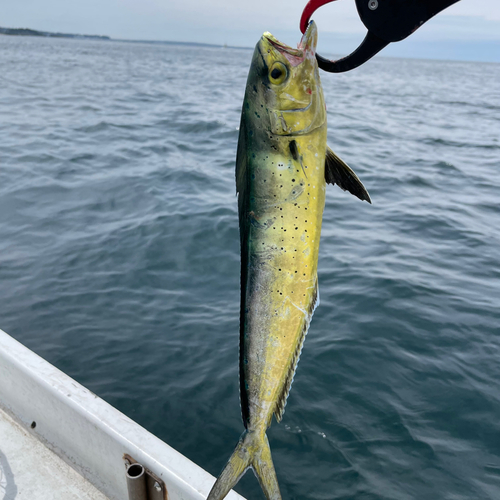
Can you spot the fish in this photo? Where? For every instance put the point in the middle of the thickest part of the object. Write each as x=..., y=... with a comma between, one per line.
x=282, y=167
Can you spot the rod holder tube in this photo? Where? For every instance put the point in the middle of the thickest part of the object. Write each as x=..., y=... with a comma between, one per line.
x=136, y=482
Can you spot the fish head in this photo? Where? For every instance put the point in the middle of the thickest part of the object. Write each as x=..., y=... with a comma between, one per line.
x=285, y=82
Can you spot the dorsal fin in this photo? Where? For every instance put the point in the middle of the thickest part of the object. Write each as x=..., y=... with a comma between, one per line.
x=242, y=192
x=279, y=410
x=338, y=172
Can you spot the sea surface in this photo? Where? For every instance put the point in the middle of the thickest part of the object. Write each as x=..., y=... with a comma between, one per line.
x=119, y=260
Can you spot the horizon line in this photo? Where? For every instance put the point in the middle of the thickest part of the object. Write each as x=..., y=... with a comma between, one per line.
x=30, y=32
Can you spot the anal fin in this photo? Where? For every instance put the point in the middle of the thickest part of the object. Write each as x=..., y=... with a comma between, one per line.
x=338, y=172
x=279, y=410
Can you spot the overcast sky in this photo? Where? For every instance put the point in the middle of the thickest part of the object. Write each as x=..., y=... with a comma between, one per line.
x=469, y=30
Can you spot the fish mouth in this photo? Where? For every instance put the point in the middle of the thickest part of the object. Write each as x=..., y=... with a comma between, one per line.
x=309, y=39
x=306, y=47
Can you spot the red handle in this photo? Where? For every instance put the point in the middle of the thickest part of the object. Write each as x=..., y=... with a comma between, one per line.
x=311, y=6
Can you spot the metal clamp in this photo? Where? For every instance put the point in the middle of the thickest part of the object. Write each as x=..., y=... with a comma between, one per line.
x=142, y=484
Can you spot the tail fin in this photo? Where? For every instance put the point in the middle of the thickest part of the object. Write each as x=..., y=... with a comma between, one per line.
x=253, y=451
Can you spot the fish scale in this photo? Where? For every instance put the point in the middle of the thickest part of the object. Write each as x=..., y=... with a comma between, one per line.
x=287, y=203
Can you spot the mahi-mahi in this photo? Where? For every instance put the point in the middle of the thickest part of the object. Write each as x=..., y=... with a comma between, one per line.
x=282, y=166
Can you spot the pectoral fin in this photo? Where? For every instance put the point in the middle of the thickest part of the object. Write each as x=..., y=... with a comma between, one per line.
x=338, y=172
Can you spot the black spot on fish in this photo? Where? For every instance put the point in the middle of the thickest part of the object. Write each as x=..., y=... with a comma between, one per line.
x=294, y=150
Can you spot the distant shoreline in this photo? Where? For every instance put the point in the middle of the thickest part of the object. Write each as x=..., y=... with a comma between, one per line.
x=30, y=32
x=49, y=34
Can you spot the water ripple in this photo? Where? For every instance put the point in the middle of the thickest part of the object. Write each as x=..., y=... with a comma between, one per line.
x=119, y=251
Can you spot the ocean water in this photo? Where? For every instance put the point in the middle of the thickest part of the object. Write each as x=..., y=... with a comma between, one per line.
x=119, y=260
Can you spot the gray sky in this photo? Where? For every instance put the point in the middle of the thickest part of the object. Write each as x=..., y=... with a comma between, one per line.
x=469, y=29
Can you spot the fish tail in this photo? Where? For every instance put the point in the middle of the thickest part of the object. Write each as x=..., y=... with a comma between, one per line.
x=252, y=451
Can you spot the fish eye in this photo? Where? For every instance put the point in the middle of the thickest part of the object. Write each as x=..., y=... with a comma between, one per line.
x=278, y=73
